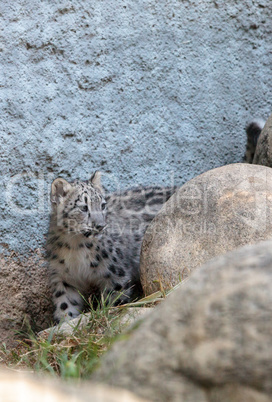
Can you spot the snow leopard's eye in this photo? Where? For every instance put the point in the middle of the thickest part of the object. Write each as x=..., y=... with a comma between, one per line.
x=103, y=205
x=83, y=208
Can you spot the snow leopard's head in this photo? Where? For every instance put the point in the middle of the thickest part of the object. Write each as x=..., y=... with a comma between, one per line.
x=79, y=206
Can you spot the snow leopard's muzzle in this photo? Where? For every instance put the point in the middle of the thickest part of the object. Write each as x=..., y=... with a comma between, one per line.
x=95, y=231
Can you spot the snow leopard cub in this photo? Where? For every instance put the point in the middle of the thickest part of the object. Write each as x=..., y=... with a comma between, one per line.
x=94, y=242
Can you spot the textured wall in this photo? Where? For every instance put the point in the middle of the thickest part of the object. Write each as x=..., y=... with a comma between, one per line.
x=143, y=90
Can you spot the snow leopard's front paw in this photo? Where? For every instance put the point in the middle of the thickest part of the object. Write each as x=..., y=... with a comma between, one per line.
x=68, y=302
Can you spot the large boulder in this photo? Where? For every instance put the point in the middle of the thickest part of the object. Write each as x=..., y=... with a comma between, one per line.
x=24, y=297
x=213, y=213
x=209, y=341
x=263, y=153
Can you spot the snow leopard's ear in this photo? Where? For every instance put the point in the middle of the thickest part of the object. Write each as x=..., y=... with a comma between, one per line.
x=59, y=190
x=95, y=181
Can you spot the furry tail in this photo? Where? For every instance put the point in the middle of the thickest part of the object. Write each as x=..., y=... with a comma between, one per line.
x=253, y=131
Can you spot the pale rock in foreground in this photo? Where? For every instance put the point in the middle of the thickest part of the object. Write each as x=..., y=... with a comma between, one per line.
x=213, y=213
x=18, y=387
x=209, y=341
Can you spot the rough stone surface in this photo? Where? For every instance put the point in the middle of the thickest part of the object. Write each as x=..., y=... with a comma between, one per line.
x=17, y=387
x=24, y=298
x=263, y=153
x=209, y=341
x=213, y=213
x=144, y=91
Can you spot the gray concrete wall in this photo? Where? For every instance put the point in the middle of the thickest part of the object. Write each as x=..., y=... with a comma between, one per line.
x=147, y=91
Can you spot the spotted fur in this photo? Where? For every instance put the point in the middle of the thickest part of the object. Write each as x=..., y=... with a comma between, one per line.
x=94, y=242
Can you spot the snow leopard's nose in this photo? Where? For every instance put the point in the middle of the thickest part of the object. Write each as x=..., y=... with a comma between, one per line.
x=99, y=226
x=99, y=221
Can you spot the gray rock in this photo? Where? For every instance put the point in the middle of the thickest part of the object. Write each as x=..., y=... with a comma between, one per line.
x=15, y=387
x=127, y=317
x=263, y=153
x=209, y=341
x=213, y=213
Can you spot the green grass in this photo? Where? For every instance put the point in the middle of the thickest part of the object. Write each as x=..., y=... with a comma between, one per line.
x=73, y=356
x=76, y=355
